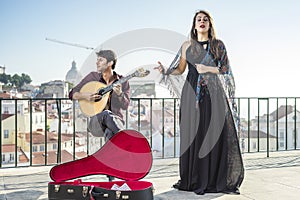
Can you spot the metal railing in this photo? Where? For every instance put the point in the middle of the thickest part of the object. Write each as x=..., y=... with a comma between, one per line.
x=34, y=131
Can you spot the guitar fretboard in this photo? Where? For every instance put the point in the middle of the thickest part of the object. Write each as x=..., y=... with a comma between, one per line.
x=109, y=88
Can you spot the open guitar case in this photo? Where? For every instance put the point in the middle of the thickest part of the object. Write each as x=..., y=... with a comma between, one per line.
x=126, y=156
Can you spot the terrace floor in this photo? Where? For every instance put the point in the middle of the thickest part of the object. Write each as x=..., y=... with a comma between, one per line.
x=274, y=177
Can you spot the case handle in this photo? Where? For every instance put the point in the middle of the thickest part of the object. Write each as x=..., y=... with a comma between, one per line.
x=96, y=194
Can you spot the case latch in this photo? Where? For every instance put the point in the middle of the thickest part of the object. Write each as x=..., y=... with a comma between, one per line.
x=70, y=190
x=56, y=188
x=118, y=194
x=85, y=190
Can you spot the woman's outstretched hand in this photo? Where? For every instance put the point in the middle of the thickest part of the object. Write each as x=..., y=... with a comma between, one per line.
x=160, y=68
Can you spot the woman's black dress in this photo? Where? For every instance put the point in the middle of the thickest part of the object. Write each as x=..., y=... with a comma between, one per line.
x=210, y=159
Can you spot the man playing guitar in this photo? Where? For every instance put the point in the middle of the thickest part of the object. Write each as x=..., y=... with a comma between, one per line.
x=109, y=120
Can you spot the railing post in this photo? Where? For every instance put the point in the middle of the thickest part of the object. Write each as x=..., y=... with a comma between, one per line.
x=16, y=132
x=151, y=127
x=258, y=119
x=286, y=124
x=74, y=130
x=139, y=114
x=163, y=128
x=268, y=127
x=88, y=138
x=46, y=133
x=0, y=133
x=30, y=130
x=58, y=105
x=174, y=134
x=249, y=125
x=277, y=127
x=126, y=120
x=267, y=124
x=295, y=124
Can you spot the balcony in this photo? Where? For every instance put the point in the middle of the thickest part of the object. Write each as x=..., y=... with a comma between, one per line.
x=53, y=131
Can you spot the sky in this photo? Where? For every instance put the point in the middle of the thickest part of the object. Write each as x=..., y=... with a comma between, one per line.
x=261, y=37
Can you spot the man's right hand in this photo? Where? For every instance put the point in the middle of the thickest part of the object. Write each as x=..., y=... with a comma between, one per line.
x=87, y=96
x=94, y=97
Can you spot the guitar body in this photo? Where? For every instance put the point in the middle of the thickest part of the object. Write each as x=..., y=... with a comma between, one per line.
x=91, y=108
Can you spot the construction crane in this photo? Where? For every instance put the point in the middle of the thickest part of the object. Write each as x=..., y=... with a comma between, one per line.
x=70, y=44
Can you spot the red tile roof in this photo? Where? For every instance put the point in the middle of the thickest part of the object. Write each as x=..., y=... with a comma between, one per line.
x=6, y=96
x=39, y=137
x=282, y=111
x=5, y=116
x=7, y=148
x=253, y=134
x=38, y=158
x=10, y=148
x=81, y=154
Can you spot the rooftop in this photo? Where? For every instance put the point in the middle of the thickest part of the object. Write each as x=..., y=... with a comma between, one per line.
x=274, y=177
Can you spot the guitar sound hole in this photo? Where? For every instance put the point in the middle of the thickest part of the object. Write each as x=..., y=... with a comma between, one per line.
x=96, y=100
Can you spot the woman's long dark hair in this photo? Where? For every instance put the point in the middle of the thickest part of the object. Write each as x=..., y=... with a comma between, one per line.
x=195, y=49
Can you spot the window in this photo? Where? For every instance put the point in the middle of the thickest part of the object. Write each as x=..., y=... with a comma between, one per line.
x=54, y=146
x=281, y=135
x=6, y=110
x=34, y=148
x=3, y=157
x=42, y=148
x=11, y=157
x=254, y=145
x=6, y=134
x=19, y=109
x=281, y=144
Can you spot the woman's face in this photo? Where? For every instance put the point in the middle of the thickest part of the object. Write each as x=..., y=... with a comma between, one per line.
x=202, y=23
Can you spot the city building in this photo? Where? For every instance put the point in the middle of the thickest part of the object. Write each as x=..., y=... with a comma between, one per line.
x=283, y=123
x=55, y=89
x=73, y=76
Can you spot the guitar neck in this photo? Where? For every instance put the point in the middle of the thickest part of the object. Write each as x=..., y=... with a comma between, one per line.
x=109, y=88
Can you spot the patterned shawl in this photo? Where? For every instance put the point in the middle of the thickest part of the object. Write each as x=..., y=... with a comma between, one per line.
x=175, y=82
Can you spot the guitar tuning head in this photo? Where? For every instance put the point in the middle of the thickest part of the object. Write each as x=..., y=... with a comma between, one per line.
x=147, y=72
x=141, y=72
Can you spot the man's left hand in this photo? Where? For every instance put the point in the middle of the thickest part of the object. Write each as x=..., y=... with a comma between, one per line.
x=117, y=89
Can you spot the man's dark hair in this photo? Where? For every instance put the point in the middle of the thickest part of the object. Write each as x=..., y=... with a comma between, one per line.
x=109, y=55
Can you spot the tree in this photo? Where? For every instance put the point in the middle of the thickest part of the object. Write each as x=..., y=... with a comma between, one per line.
x=25, y=79
x=19, y=81
x=5, y=78
x=16, y=80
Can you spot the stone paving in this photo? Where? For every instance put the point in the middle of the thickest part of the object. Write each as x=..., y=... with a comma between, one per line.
x=274, y=177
